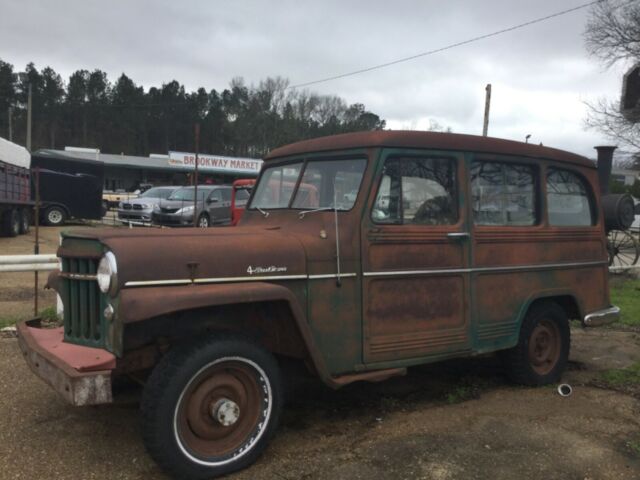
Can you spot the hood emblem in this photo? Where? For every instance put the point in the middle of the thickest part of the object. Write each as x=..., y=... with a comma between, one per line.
x=270, y=269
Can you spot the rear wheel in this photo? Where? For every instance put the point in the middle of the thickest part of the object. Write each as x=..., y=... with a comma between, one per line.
x=210, y=408
x=25, y=220
x=11, y=223
x=203, y=221
x=542, y=352
x=54, y=216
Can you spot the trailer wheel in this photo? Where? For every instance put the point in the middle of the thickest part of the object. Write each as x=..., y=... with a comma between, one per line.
x=210, y=407
x=55, y=216
x=25, y=221
x=11, y=223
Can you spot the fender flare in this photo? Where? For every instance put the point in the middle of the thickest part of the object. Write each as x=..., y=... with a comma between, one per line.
x=139, y=304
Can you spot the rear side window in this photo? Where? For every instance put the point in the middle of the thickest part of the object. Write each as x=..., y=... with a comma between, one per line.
x=503, y=193
x=569, y=199
x=418, y=191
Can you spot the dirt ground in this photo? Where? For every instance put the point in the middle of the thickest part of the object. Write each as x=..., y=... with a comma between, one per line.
x=453, y=420
x=16, y=289
x=403, y=428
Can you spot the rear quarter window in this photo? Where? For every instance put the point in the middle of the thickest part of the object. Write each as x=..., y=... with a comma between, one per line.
x=569, y=199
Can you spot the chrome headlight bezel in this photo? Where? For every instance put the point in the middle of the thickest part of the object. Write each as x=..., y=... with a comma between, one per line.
x=107, y=274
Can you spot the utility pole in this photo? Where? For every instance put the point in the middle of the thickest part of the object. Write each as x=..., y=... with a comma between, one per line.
x=29, y=103
x=10, y=125
x=487, y=104
x=195, y=177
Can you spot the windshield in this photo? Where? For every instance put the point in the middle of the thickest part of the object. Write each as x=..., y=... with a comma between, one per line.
x=324, y=184
x=186, y=194
x=157, y=192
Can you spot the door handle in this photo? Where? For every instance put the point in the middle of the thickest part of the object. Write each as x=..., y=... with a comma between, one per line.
x=458, y=235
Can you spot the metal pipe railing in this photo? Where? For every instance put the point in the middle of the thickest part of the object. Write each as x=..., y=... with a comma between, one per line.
x=28, y=263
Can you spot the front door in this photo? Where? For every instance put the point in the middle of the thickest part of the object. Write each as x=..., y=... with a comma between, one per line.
x=415, y=258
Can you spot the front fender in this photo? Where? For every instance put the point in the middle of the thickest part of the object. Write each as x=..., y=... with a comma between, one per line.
x=139, y=304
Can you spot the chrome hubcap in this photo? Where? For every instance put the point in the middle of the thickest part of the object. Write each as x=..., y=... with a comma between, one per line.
x=225, y=411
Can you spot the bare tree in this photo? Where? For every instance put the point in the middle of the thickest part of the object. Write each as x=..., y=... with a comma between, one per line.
x=612, y=35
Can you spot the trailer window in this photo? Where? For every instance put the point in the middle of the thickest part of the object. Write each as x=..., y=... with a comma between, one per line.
x=503, y=193
x=568, y=199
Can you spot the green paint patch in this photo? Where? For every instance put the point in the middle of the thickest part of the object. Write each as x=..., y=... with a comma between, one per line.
x=625, y=294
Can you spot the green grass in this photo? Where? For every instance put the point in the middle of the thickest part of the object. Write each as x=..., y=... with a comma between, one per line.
x=626, y=295
x=621, y=377
x=48, y=315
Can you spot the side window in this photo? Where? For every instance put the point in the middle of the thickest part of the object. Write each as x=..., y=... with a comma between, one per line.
x=503, y=193
x=420, y=191
x=569, y=199
x=226, y=194
x=216, y=195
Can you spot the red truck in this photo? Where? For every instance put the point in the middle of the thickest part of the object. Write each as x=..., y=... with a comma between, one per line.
x=15, y=189
x=240, y=194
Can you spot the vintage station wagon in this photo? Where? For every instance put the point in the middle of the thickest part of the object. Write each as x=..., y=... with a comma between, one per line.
x=359, y=255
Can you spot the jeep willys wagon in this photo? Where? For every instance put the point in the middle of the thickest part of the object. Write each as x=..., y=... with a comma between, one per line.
x=359, y=255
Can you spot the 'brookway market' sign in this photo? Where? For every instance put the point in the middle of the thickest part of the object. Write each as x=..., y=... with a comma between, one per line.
x=216, y=163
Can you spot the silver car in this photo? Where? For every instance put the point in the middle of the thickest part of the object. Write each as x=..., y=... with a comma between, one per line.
x=213, y=207
x=137, y=211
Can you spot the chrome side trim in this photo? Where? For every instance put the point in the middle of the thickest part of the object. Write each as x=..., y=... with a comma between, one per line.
x=150, y=283
x=515, y=268
x=602, y=317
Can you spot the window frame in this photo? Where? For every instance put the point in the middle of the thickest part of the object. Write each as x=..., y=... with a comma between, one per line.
x=591, y=195
x=304, y=160
x=539, y=201
x=459, y=169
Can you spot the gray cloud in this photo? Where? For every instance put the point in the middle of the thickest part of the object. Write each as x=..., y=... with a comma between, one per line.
x=541, y=75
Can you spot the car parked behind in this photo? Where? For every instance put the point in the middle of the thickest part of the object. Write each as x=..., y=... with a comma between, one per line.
x=213, y=207
x=137, y=211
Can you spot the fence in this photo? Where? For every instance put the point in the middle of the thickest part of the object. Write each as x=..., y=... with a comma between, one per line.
x=28, y=263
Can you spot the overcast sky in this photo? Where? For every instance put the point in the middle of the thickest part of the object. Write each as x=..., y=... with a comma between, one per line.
x=541, y=74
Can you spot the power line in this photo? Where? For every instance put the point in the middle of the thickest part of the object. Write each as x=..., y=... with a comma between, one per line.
x=447, y=47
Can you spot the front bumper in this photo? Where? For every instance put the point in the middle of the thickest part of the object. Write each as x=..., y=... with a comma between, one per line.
x=602, y=317
x=81, y=375
x=173, y=219
x=136, y=217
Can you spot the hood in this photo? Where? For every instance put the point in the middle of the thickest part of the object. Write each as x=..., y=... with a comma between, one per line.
x=178, y=203
x=183, y=256
x=139, y=201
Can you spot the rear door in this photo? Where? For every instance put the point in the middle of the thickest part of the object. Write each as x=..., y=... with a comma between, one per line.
x=415, y=258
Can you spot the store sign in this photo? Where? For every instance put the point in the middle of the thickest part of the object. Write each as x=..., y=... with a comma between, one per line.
x=215, y=163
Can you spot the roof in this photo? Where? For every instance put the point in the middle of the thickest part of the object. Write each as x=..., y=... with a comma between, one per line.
x=154, y=161
x=431, y=140
x=14, y=154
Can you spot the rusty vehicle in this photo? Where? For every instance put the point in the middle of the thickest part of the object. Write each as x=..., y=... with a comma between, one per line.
x=403, y=248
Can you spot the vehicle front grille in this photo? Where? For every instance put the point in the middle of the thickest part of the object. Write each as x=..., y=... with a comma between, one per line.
x=168, y=210
x=137, y=206
x=83, y=303
x=126, y=206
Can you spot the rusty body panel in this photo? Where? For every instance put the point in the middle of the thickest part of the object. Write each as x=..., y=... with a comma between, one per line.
x=361, y=299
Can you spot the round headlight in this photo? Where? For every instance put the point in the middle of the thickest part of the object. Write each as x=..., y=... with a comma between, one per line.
x=107, y=274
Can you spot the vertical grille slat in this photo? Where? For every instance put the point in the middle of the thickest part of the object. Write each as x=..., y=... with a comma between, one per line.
x=83, y=322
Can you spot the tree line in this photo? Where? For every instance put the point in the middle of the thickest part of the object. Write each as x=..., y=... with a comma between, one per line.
x=121, y=117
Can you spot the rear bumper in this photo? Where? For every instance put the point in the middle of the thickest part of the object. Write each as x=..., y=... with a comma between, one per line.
x=81, y=375
x=602, y=317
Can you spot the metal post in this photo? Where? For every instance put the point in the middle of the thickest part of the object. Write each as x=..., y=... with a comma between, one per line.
x=29, y=103
x=195, y=177
x=487, y=104
x=36, y=247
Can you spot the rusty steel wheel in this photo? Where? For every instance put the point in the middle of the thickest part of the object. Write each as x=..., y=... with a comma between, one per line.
x=210, y=407
x=542, y=352
x=223, y=411
x=544, y=347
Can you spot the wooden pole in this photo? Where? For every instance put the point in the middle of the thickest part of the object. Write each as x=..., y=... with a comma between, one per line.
x=29, y=106
x=487, y=104
x=10, y=124
x=195, y=177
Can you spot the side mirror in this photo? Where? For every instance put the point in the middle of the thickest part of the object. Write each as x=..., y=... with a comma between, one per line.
x=212, y=200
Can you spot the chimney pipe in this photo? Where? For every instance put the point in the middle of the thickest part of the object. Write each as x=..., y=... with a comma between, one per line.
x=605, y=161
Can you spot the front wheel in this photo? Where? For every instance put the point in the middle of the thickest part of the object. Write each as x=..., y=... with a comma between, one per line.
x=542, y=352
x=203, y=221
x=55, y=216
x=210, y=408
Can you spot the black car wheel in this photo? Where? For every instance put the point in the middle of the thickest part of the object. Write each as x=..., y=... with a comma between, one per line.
x=210, y=408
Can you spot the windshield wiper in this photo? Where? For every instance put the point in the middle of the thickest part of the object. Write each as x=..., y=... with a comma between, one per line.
x=266, y=214
x=323, y=209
